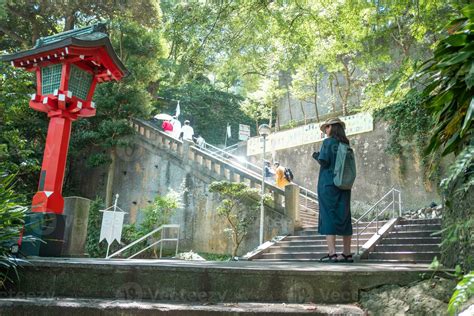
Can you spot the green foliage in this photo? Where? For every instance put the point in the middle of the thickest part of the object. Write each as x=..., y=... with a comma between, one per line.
x=117, y=103
x=458, y=219
x=208, y=109
x=22, y=131
x=93, y=248
x=154, y=215
x=239, y=207
x=410, y=125
x=448, y=96
x=11, y=222
x=464, y=290
x=449, y=89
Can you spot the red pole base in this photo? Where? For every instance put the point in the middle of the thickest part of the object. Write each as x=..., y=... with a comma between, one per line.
x=48, y=202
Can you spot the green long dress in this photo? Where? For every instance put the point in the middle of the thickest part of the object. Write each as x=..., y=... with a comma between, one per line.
x=334, y=203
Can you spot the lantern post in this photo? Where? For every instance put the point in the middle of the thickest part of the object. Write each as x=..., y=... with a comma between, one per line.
x=67, y=67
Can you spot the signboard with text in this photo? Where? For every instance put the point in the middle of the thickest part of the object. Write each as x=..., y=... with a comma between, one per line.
x=308, y=134
x=244, y=132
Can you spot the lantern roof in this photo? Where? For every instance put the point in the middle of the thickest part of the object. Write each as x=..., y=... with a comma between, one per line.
x=88, y=45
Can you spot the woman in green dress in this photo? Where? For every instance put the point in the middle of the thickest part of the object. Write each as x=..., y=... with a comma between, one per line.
x=334, y=203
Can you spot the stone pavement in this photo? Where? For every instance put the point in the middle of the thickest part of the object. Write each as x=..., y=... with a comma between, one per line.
x=208, y=282
x=310, y=266
x=92, y=307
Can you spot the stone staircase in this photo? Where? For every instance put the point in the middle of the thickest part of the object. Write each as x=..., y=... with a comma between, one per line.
x=308, y=245
x=410, y=241
x=309, y=212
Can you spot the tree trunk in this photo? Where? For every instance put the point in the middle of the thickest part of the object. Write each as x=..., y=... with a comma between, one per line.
x=302, y=110
x=70, y=21
x=271, y=118
x=316, y=96
x=348, y=88
x=332, y=92
x=235, y=244
x=110, y=179
x=289, y=103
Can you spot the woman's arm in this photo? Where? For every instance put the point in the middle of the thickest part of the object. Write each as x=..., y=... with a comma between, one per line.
x=322, y=157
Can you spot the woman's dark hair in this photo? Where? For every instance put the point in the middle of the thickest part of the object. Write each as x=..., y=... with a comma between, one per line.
x=337, y=132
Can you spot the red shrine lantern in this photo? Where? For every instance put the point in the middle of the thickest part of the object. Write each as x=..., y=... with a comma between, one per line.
x=68, y=66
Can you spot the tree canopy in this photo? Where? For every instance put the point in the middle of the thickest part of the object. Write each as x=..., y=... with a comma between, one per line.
x=226, y=62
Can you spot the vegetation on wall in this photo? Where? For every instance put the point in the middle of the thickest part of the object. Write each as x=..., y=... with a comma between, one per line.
x=156, y=214
x=409, y=128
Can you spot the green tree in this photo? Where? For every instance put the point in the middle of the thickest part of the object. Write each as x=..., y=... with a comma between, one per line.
x=239, y=207
x=22, y=131
x=208, y=109
x=117, y=103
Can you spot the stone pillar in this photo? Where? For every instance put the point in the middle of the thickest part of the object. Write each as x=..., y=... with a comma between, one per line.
x=292, y=206
x=76, y=210
x=186, y=149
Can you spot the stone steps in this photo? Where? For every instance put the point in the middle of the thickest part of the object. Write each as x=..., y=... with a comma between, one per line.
x=320, y=242
x=406, y=256
x=364, y=236
x=420, y=221
x=306, y=248
x=411, y=241
x=408, y=240
x=100, y=307
x=412, y=247
x=204, y=283
x=408, y=234
x=418, y=227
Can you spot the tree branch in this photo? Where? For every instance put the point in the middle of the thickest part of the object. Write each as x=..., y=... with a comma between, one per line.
x=13, y=35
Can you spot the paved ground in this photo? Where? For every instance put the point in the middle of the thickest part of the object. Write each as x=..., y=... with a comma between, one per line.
x=232, y=265
x=55, y=306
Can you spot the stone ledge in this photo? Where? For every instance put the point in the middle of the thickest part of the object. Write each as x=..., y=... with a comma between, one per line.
x=71, y=306
x=216, y=282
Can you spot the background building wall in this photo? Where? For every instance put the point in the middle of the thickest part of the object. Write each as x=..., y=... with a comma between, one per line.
x=377, y=171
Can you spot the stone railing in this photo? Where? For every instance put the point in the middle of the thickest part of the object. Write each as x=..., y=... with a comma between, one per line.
x=285, y=202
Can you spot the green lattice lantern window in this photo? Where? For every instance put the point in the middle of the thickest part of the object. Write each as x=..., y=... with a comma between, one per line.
x=80, y=82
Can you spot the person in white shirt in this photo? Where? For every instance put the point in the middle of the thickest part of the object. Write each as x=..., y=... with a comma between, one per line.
x=200, y=141
x=187, y=132
x=176, y=127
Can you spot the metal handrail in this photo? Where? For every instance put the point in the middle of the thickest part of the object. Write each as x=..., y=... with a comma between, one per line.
x=306, y=193
x=153, y=244
x=391, y=192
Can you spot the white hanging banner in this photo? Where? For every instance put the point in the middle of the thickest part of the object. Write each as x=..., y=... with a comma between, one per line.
x=112, y=224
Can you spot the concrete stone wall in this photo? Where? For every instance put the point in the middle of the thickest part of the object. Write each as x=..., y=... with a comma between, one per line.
x=144, y=171
x=377, y=171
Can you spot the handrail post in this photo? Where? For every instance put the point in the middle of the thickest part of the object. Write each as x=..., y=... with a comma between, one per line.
x=161, y=243
x=177, y=243
x=393, y=202
x=399, y=203
x=357, y=230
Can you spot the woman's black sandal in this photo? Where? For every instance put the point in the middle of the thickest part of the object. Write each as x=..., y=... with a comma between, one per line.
x=329, y=258
x=347, y=258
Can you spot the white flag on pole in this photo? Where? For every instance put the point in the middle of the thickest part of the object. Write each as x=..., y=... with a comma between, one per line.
x=178, y=110
x=229, y=134
x=112, y=223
